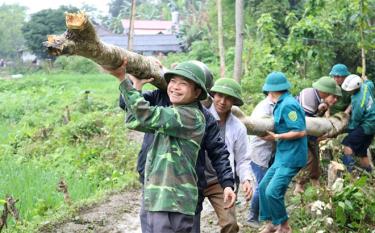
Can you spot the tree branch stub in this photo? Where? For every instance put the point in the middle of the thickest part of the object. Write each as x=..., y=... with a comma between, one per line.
x=81, y=39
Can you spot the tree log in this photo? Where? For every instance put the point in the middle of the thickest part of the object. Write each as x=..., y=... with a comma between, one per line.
x=81, y=39
x=315, y=126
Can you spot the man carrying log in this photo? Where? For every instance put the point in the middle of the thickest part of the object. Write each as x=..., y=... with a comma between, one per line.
x=362, y=122
x=290, y=156
x=226, y=93
x=262, y=153
x=212, y=144
x=339, y=72
x=315, y=101
x=170, y=189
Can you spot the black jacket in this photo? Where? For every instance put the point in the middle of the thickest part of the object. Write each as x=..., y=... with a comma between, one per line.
x=212, y=142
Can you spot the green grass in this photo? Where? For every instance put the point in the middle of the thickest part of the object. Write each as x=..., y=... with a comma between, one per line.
x=37, y=148
x=35, y=187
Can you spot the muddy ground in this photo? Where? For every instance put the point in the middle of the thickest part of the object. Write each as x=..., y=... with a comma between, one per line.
x=118, y=213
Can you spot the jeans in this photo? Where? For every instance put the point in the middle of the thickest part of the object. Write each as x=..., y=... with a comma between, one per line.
x=258, y=172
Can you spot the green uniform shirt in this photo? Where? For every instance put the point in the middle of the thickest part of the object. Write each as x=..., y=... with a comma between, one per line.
x=341, y=104
x=363, y=110
x=170, y=177
x=370, y=86
x=289, y=116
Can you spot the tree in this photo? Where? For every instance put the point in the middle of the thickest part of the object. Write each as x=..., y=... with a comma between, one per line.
x=131, y=26
x=363, y=23
x=237, y=74
x=220, y=38
x=41, y=24
x=115, y=7
x=146, y=10
x=12, y=18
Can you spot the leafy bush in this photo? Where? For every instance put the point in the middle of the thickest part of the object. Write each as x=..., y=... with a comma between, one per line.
x=84, y=129
x=354, y=205
x=76, y=64
x=202, y=51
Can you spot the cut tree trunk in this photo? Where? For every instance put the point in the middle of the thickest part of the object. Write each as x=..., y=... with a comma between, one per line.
x=81, y=39
x=315, y=126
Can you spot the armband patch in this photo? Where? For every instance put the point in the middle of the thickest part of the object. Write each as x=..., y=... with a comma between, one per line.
x=292, y=115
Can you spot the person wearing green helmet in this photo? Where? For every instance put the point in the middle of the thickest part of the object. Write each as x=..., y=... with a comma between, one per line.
x=315, y=101
x=207, y=73
x=226, y=93
x=290, y=156
x=170, y=168
x=212, y=145
x=339, y=72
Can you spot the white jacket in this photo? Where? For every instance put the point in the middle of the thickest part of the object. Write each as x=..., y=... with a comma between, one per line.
x=237, y=144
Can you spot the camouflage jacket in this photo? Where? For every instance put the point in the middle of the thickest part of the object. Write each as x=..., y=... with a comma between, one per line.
x=170, y=177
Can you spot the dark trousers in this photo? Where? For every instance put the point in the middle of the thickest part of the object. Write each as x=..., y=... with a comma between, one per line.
x=168, y=222
x=164, y=222
x=312, y=168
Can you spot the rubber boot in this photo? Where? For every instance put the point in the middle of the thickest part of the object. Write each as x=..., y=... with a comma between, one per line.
x=367, y=169
x=348, y=161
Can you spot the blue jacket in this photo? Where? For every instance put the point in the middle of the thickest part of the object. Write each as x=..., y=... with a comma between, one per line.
x=212, y=142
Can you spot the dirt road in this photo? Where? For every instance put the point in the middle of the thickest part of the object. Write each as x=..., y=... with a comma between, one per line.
x=118, y=213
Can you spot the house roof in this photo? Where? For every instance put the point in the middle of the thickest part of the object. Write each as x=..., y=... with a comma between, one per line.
x=146, y=43
x=102, y=31
x=149, y=24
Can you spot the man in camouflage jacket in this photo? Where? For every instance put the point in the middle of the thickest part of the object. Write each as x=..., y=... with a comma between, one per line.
x=212, y=143
x=170, y=186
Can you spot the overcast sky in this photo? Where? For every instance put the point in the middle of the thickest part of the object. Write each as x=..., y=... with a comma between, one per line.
x=37, y=5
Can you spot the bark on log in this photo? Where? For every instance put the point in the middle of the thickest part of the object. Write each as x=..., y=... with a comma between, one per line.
x=315, y=126
x=81, y=39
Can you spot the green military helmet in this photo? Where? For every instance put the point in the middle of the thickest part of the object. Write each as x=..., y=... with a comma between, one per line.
x=207, y=73
x=276, y=81
x=228, y=87
x=327, y=85
x=339, y=70
x=191, y=71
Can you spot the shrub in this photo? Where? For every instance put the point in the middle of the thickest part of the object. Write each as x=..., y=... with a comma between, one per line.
x=76, y=64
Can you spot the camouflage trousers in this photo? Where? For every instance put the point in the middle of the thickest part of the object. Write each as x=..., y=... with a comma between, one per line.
x=312, y=168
